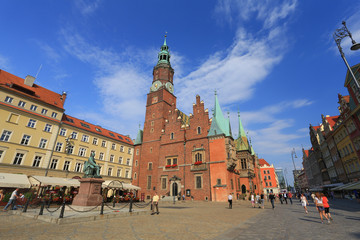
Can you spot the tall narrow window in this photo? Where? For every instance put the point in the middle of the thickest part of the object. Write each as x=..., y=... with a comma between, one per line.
x=58, y=147
x=25, y=140
x=171, y=135
x=109, y=171
x=118, y=174
x=198, y=130
x=120, y=160
x=31, y=123
x=62, y=132
x=47, y=128
x=53, y=163
x=5, y=136
x=78, y=167
x=163, y=183
x=18, y=158
x=42, y=143
x=66, y=166
x=111, y=158
x=198, y=183
x=148, y=184
x=82, y=152
x=150, y=166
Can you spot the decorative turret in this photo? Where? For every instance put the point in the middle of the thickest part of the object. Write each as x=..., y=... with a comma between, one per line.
x=219, y=124
x=139, y=137
x=242, y=142
x=164, y=54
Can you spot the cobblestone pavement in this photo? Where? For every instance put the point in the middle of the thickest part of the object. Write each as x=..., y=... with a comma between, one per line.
x=199, y=220
x=291, y=222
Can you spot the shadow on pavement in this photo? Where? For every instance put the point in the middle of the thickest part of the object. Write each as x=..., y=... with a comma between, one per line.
x=356, y=235
x=353, y=218
x=308, y=220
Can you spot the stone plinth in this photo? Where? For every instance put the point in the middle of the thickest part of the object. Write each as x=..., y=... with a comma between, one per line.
x=89, y=192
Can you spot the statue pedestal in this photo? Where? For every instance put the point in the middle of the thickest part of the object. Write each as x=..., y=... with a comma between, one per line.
x=89, y=192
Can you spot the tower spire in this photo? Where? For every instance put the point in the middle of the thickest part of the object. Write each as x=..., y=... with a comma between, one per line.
x=164, y=54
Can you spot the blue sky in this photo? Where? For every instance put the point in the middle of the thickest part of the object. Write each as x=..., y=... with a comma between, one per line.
x=274, y=61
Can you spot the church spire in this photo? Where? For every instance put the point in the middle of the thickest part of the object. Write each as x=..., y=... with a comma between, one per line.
x=242, y=142
x=219, y=124
x=164, y=54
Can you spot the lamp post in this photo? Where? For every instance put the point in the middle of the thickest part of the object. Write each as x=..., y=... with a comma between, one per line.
x=293, y=155
x=338, y=35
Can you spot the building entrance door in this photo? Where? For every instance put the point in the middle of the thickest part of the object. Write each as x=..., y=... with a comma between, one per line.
x=174, y=189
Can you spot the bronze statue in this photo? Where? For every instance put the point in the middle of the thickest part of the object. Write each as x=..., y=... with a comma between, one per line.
x=91, y=169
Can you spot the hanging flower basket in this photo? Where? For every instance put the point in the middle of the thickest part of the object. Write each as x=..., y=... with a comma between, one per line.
x=174, y=165
x=198, y=163
x=168, y=166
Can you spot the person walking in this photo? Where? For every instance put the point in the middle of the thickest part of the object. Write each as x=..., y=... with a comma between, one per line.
x=290, y=197
x=280, y=198
x=326, y=206
x=1, y=195
x=272, y=198
x=304, y=202
x=285, y=196
x=320, y=206
x=262, y=200
x=13, y=197
x=258, y=200
x=230, y=197
x=155, y=203
x=252, y=198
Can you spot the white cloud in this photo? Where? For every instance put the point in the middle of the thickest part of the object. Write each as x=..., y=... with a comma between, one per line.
x=87, y=7
x=4, y=63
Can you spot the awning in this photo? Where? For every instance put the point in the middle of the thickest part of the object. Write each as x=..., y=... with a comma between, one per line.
x=355, y=186
x=131, y=187
x=53, y=181
x=345, y=186
x=117, y=184
x=14, y=180
x=112, y=184
x=333, y=185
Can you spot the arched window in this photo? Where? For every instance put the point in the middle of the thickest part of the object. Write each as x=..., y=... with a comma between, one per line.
x=198, y=130
x=198, y=157
x=243, y=189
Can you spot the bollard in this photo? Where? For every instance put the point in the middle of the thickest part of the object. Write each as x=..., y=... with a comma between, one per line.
x=42, y=207
x=102, y=208
x=131, y=203
x=151, y=206
x=26, y=205
x=113, y=202
x=62, y=210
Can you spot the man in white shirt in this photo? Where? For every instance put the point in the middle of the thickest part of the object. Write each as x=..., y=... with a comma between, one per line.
x=12, y=199
x=230, y=197
x=155, y=202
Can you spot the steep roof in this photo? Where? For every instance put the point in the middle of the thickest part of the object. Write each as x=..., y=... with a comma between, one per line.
x=241, y=143
x=332, y=120
x=16, y=84
x=219, y=124
x=95, y=129
x=263, y=162
x=139, y=137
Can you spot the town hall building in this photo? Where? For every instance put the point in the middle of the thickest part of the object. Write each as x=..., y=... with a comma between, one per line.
x=192, y=155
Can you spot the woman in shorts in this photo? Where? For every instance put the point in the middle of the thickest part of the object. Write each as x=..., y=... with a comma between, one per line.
x=320, y=207
x=326, y=206
x=304, y=202
x=252, y=197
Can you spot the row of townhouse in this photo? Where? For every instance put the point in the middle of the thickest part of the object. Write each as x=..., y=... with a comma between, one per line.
x=38, y=138
x=335, y=153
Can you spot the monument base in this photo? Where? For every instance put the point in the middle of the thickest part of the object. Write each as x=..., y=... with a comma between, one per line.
x=89, y=192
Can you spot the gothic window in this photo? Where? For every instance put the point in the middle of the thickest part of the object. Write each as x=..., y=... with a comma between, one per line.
x=198, y=182
x=198, y=157
x=243, y=163
x=171, y=135
x=148, y=185
x=198, y=130
x=163, y=183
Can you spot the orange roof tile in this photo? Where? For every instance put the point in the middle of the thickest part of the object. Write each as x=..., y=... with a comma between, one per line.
x=316, y=127
x=262, y=162
x=95, y=129
x=332, y=120
x=306, y=152
x=347, y=98
x=16, y=84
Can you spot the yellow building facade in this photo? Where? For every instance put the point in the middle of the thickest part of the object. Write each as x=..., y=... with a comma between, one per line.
x=38, y=138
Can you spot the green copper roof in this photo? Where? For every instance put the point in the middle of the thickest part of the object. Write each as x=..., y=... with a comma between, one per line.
x=219, y=124
x=241, y=143
x=164, y=54
x=139, y=137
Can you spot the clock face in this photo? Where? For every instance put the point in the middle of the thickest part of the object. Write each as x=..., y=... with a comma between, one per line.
x=169, y=87
x=155, y=86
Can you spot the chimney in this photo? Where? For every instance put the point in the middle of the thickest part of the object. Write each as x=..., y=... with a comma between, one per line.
x=63, y=96
x=29, y=80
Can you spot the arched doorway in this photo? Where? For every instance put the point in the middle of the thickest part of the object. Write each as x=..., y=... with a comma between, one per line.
x=243, y=189
x=174, y=189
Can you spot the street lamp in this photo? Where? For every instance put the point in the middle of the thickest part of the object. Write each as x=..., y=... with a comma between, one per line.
x=293, y=153
x=338, y=35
